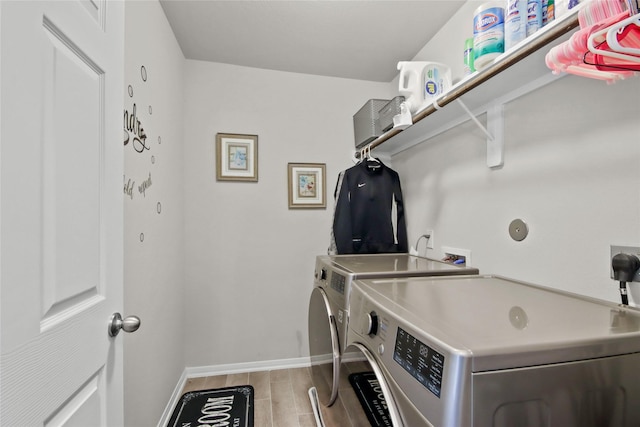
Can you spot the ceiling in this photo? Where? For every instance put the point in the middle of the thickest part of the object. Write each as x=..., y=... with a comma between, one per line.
x=360, y=39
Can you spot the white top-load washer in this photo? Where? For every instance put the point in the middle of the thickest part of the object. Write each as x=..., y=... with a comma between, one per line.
x=488, y=351
x=329, y=305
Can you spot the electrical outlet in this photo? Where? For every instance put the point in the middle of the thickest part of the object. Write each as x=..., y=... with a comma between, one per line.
x=632, y=250
x=430, y=239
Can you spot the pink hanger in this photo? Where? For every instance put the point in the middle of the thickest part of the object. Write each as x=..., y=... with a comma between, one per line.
x=624, y=36
x=589, y=43
x=597, y=42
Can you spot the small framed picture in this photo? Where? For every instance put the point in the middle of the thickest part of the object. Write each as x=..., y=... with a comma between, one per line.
x=236, y=157
x=307, y=185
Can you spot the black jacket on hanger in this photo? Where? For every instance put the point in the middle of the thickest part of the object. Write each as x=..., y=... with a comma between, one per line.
x=369, y=211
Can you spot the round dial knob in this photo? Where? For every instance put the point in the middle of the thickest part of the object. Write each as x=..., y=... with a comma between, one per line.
x=371, y=324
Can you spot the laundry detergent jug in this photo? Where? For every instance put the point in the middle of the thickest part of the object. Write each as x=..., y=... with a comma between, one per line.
x=421, y=82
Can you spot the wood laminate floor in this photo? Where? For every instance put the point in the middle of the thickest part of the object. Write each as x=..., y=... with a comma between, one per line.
x=281, y=397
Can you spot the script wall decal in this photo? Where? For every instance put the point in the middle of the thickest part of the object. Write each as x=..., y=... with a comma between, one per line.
x=139, y=141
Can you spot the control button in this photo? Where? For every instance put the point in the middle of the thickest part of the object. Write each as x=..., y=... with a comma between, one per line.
x=372, y=324
x=381, y=349
x=323, y=274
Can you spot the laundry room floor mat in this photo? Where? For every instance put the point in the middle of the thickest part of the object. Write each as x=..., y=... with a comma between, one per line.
x=229, y=406
x=367, y=388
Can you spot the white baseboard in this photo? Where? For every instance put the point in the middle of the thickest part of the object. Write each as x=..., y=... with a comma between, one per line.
x=233, y=368
x=175, y=396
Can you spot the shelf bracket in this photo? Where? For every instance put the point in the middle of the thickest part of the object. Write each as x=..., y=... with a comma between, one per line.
x=495, y=146
x=494, y=132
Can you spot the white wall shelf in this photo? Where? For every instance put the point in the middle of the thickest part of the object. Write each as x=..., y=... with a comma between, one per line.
x=513, y=74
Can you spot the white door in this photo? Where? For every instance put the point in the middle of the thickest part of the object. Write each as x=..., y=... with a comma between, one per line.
x=61, y=169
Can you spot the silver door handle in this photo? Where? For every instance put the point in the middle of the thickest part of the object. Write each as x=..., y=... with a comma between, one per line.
x=128, y=324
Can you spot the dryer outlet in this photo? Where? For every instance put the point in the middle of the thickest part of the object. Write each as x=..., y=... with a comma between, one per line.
x=631, y=250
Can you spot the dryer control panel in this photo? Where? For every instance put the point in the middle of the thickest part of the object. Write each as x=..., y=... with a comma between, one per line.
x=337, y=282
x=423, y=362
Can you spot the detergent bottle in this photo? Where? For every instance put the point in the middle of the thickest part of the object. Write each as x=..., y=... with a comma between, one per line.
x=421, y=82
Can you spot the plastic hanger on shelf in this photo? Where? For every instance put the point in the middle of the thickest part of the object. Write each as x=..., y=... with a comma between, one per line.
x=587, y=53
x=600, y=64
x=598, y=10
x=597, y=44
x=625, y=30
x=603, y=63
x=594, y=73
x=572, y=51
x=570, y=57
x=624, y=36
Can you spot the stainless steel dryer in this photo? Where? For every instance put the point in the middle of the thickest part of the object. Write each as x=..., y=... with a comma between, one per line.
x=329, y=305
x=488, y=351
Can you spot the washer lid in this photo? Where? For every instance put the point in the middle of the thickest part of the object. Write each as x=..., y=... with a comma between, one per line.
x=392, y=265
x=502, y=323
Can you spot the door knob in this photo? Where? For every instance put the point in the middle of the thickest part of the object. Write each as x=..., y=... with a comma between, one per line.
x=128, y=324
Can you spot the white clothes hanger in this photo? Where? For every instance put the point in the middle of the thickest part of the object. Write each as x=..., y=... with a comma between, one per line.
x=365, y=154
x=369, y=156
x=600, y=37
x=617, y=28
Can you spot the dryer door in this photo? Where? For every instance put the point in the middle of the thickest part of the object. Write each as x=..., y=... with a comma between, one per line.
x=373, y=392
x=324, y=347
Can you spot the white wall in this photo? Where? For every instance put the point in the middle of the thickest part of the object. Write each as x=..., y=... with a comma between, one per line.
x=571, y=173
x=153, y=268
x=249, y=259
